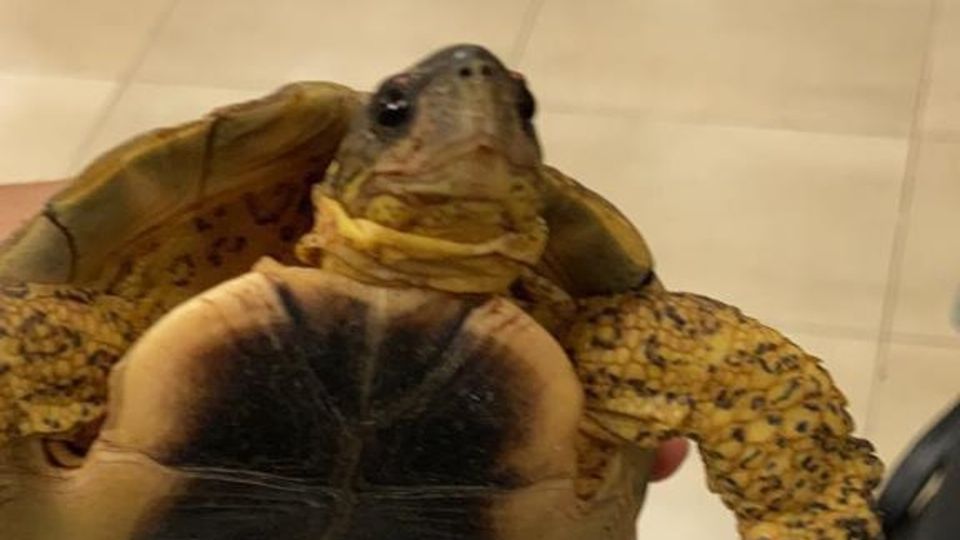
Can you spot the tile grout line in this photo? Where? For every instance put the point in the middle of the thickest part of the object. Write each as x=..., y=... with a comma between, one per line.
x=904, y=211
x=122, y=84
x=527, y=25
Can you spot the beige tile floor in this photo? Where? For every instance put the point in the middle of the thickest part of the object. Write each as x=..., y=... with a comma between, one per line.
x=799, y=159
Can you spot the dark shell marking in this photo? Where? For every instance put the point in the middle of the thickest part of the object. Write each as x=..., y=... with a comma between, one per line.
x=346, y=425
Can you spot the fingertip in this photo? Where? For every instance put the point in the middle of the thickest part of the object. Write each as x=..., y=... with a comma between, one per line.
x=670, y=455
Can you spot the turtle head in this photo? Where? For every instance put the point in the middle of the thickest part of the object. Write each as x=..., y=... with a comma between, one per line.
x=438, y=181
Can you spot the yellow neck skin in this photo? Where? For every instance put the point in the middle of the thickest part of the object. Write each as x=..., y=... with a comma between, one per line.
x=370, y=252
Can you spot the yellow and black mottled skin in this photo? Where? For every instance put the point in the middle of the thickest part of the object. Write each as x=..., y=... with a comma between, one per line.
x=57, y=345
x=772, y=427
x=439, y=184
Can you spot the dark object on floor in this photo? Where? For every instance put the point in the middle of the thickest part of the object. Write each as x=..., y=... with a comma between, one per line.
x=910, y=511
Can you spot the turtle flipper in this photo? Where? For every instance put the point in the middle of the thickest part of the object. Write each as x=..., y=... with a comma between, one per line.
x=772, y=427
x=57, y=345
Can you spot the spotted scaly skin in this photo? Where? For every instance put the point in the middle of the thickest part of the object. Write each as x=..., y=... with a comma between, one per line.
x=57, y=345
x=772, y=427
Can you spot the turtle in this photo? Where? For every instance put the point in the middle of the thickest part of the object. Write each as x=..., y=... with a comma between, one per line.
x=328, y=314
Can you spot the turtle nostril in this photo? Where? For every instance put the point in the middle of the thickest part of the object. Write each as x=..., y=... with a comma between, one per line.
x=486, y=70
x=466, y=72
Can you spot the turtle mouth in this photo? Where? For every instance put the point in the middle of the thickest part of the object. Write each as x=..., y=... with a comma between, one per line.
x=471, y=193
x=416, y=160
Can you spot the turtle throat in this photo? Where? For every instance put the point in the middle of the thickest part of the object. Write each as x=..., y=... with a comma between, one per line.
x=372, y=252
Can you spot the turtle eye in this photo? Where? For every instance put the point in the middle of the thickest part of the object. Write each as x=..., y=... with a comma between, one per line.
x=526, y=104
x=391, y=105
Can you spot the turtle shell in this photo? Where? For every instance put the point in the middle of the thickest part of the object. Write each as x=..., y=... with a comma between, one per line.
x=176, y=210
x=593, y=248
x=294, y=403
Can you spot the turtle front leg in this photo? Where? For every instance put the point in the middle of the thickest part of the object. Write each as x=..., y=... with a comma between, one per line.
x=57, y=345
x=771, y=426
